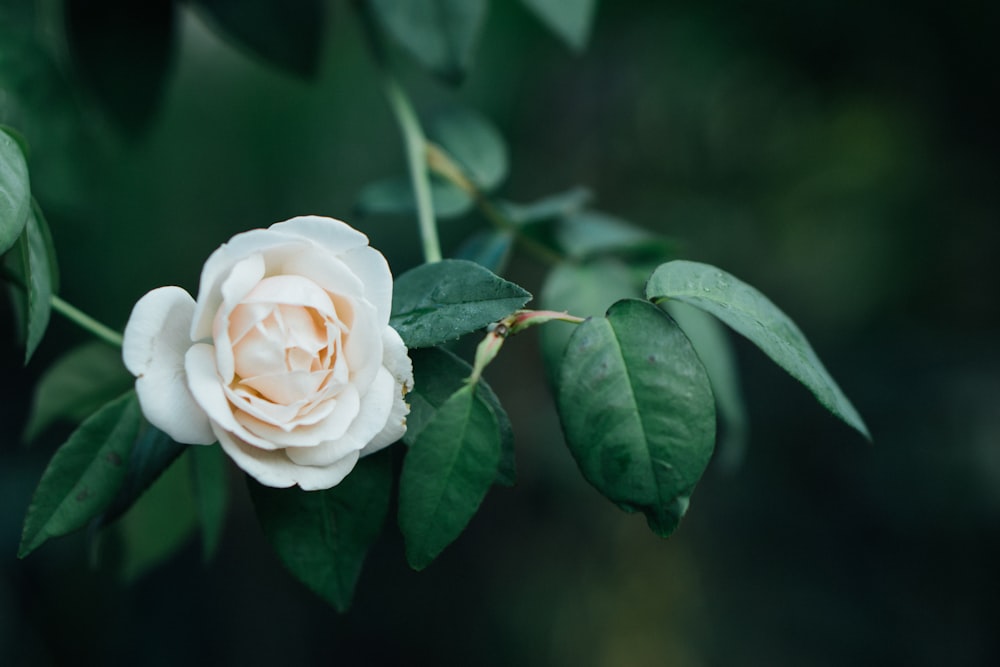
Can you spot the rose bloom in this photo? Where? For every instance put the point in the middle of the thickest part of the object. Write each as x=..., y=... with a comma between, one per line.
x=286, y=358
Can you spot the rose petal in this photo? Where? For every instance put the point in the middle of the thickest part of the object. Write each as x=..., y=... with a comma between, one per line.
x=206, y=388
x=274, y=468
x=370, y=266
x=334, y=236
x=156, y=339
x=400, y=367
x=245, y=275
x=371, y=418
x=395, y=359
x=329, y=273
x=304, y=434
x=363, y=357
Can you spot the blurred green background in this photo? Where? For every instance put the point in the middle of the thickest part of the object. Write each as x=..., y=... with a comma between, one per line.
x=842, y=157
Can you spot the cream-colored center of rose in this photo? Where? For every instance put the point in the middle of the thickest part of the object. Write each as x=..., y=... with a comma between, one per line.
x=287, y=339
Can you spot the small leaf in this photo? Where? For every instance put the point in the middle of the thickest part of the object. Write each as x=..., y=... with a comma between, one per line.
x=571, y=20
x=715, y=350
x=438, y=374
x=446, y=474
x=490, y=249
x=435, y=303
x=84, y=475
x=441, y=34
x=394, y=196
x=752, y=314
x=37, y=278
x=582, y=290
x=76, y=385
x=286, y=34
x=158, y=524
x=637, y=411
x=589, y=233
x=123, y=50
x=548, y=208
x=15, y=192
x=211, y=486
x=474, y=143
x=322, y=536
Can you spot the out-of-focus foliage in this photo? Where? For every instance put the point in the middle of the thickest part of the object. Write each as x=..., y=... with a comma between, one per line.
x=842, y=158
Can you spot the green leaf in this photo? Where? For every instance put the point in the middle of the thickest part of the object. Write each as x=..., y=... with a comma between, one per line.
x=76, y=385
x=37, y=279
x=583, y=290
x=84, y=475
x=490, y=249
x=438, y=374
x=160, y=522
x=211, y=485
x=152, y=453
x=435, y=303
x=589, y=233
x=441, y=34
x=50, y=247
x=753, y=315
x=571, y=20
x=446, y=474
x=322, y=536
x=394, y=196
x=637, y=411
x=288, y=35
x=715, y=350
x=474, y=143
x=15, y=192
x=548, y=208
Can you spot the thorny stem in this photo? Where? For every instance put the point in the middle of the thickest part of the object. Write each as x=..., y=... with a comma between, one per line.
x=516, y=322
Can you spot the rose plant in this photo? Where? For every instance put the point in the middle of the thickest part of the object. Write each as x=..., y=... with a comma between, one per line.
x=286, y=358
x=303, y=358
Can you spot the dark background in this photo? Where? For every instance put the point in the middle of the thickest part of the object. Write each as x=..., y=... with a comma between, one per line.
x=842, y=157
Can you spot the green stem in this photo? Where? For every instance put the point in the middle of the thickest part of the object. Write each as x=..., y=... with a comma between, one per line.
x=441, y=164
x=416, y=150
x=85, y=321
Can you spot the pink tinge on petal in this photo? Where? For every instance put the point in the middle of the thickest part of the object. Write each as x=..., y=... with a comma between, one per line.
x=291, y=290
x=286, y=388
x=301, y=434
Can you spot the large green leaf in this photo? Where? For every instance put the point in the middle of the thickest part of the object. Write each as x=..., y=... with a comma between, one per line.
x=84, y=475
x=474, y=143
x=441, y=34
x=571, y=20
x=715, y=349
x=323, y=536
x=288, y=34
x=438, y=374
x=78, y=383
x=211, y=486
x=37, y=279
x=152, y=453
x=446, y=474
x=435, y=303
x=582, y=290
x=158, y=524
x=637, y=411
x=753, y=315
x=123, y=50
x=394, y=196
x=15, y=192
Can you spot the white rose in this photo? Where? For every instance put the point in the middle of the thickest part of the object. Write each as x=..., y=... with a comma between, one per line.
x=287, y=357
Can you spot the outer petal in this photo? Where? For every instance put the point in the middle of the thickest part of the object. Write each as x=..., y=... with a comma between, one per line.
x=370, y=266
x=156, y=340
x=336, y=236
x=399, y=365
x=274, y=468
